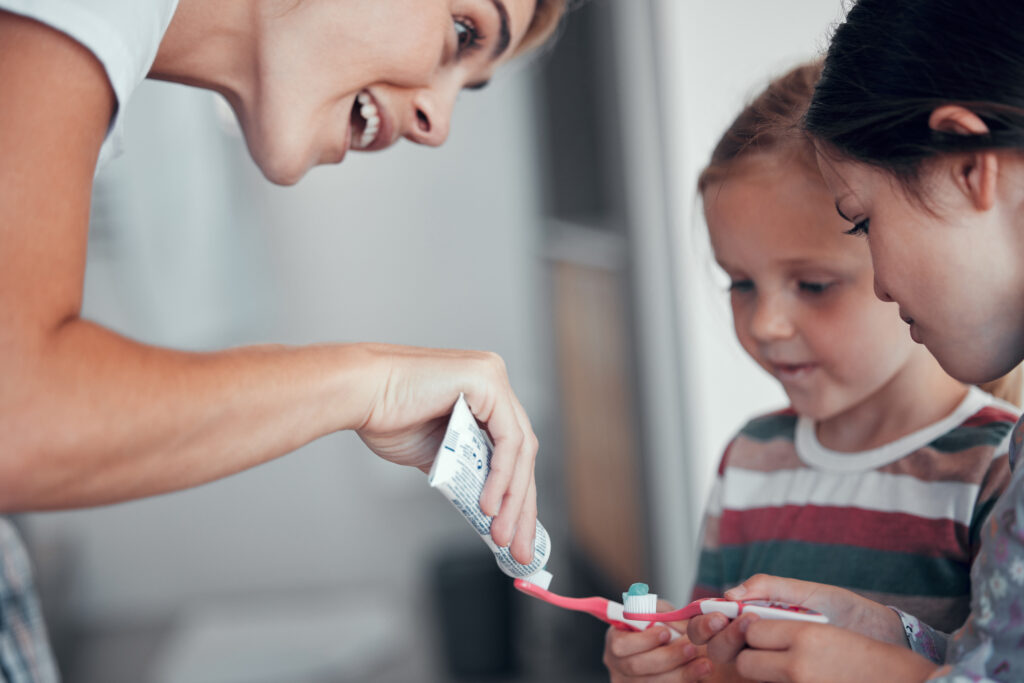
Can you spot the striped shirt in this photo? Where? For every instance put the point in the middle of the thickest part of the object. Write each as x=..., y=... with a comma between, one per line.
x=898, y=524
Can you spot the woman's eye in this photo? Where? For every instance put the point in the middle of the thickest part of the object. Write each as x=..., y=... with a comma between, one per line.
x=467, y=35
x=860, y=228
x=814, y=287
x=741, y=286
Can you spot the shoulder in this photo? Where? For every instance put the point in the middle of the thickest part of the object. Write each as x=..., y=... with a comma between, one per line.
x=989, y=426
x=765, y=442
x=122, y=35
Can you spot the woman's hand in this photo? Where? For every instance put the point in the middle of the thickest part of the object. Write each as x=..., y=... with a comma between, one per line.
x=413, y=391
x=650, y=656
x=844, y=609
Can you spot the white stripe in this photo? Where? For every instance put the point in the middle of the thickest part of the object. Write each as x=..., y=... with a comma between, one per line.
x=747, y=489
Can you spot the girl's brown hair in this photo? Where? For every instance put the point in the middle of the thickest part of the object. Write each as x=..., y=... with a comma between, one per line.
x=773, y=123
x=770, y=123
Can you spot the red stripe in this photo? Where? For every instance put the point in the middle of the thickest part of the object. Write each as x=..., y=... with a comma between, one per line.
x=888, y=531
x=988, y=415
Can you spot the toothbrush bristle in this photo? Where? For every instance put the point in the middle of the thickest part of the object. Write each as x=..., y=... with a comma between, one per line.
x=641, y=604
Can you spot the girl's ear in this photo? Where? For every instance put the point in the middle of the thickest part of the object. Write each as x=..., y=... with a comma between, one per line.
x=974, y=173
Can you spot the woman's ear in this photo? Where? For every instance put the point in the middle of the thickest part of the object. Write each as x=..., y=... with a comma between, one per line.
x=973, y=172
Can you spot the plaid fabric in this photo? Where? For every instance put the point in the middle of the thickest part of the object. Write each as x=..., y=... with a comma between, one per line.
x=25, y=655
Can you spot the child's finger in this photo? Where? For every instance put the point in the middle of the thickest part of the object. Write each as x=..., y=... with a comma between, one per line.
x=703, y=628
x=629, y=643
x=767, y=587
x=726, y=645
x=768, y=634
x=765, y=665
x=670, y=657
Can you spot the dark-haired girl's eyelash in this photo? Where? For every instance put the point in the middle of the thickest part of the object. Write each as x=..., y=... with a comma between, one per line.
x=860, y=228
x=467, y=35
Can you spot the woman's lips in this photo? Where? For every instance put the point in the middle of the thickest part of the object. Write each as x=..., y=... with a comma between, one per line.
x=370, y=128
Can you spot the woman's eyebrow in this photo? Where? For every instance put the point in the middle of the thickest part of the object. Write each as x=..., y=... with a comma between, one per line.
x=504, y=35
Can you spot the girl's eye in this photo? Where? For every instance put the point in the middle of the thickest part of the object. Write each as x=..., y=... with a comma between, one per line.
x=860, y=228
x=814, y=287
x=467, y=35
x=741, y=286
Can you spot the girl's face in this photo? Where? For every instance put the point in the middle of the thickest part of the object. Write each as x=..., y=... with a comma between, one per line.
x=954, y=270
x=340, y=75
x=801, y=291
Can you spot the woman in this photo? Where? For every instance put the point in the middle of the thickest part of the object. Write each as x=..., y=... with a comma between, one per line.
x=90, y=417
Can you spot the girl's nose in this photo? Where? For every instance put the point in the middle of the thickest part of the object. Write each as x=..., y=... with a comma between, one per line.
x=881, y=292
x=771, y=320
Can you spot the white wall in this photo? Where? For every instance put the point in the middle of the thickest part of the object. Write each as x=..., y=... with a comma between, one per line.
x=417, y=246
x=715, y=54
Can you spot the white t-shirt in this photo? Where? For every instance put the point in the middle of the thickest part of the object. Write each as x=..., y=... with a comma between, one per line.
x=123, y=34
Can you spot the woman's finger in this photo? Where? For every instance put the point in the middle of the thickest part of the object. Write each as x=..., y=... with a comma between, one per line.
x=512, y=469
x=526, y=531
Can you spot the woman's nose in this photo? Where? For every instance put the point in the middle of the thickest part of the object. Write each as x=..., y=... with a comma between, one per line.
x=771, y=320
x=432, y=114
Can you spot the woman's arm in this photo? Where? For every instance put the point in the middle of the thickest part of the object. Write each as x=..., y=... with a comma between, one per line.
x=90, y=417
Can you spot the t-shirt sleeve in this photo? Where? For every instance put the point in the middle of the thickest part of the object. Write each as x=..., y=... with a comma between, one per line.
x=124, y=36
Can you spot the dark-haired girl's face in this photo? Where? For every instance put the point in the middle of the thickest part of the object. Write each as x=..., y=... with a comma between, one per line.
x=952, y=265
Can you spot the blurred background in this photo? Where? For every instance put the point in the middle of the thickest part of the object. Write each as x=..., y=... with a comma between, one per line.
x=558, y=227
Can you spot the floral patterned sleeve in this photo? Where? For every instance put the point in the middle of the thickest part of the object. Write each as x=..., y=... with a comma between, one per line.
x=922, y=638
x=990, y=646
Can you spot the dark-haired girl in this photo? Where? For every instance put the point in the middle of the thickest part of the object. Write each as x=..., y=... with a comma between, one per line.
x=919, y=124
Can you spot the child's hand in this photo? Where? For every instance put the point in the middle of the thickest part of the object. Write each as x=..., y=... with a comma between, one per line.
x=843, y=608
x=649, y=656
x=795, y=652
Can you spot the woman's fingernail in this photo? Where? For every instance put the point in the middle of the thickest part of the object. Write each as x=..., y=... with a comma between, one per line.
x=689, y=652
x=737, y=592
x=704, y=669
x=717, y=622
x=664, y=636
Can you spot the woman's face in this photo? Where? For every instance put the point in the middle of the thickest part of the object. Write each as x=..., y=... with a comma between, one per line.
x=953, y=268
x=801, y=291
x=341, y=75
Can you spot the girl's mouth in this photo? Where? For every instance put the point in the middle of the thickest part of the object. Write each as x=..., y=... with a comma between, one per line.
x=365, y=121
x=786, y=371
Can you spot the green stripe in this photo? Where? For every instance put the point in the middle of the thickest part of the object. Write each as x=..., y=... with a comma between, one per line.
x=962, y=438
x=770, y=427
x=847, y=566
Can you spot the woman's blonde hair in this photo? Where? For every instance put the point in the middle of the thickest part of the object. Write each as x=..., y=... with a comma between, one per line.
x=547, y=17
x=772, y=124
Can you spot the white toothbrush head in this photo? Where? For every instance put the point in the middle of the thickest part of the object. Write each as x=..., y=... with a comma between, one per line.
x=639, y=601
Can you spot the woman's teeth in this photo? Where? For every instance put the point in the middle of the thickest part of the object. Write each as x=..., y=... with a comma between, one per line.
x=368, y=112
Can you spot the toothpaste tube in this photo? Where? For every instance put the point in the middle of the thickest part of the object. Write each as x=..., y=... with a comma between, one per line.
x=459, y=472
